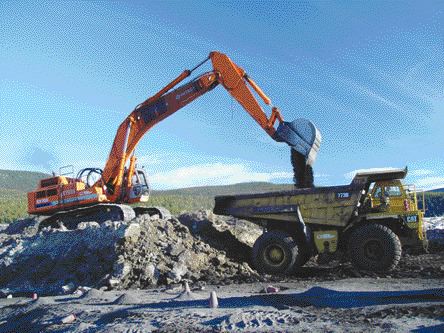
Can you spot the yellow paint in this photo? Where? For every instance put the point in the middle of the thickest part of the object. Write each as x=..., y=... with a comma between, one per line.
x=316, y=208
x=397, y=204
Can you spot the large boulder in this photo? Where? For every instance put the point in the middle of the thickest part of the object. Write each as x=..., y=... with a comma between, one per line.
x=233, y=236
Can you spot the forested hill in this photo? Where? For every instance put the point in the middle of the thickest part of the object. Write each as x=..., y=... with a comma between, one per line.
x=20, y=180
x=15, y=184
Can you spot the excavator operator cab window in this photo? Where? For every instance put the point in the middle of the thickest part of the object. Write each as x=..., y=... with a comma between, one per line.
x=135, y=180
x=140, y=183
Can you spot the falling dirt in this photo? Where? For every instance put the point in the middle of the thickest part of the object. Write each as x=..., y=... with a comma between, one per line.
x=303, y=172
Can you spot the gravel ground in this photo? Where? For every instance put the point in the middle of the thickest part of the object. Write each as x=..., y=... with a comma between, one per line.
x=210, y=253
x=347, y=305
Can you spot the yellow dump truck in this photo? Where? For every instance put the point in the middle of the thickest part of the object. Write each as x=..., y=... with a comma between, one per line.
x=371, y=220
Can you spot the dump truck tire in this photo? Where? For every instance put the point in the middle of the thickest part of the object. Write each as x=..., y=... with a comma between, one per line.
x=275, y=252
x=374, y=247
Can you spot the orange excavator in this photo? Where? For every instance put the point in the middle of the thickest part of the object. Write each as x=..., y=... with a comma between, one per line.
x=100, y=195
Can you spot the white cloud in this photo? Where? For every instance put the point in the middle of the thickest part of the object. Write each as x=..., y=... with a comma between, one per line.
x=368, y=92
x=351, y=174
x=429, y=183
x=321, y=175
x=420, y=172
x=212, y=174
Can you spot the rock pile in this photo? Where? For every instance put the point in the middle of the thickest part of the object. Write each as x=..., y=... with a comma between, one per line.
x=44, y=262
x=144, y=253
x=167, y=252
x=229, y=234
x=435, y=231
x=199, y=247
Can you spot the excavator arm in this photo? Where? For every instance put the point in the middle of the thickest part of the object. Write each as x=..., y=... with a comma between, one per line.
x=300, y=134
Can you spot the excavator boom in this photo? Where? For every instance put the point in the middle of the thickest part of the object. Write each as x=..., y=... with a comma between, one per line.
x=119, y=183
x=300, y=134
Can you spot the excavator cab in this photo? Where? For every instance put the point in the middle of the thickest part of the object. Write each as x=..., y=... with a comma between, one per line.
x=139, y=189
x=100, y=192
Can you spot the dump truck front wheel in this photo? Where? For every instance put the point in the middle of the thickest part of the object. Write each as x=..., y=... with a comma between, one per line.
x=275, y=252
x=374, y=247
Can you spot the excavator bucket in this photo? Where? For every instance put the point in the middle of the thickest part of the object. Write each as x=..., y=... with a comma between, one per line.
x=301, y=135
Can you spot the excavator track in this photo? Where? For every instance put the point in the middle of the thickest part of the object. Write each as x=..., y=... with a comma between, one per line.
x=97, y=213
x=115, y=182
x=162, y=212
x=101, y=213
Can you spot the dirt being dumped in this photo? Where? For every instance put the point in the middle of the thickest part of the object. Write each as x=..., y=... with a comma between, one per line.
x=303, y=173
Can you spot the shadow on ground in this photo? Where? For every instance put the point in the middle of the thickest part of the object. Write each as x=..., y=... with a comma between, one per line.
x=317, y=296
x=28, y=319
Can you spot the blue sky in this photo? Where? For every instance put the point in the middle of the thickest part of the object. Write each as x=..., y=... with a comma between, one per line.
x=370, y=75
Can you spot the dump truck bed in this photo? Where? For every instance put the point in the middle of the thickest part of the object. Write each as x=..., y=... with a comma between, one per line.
x=332, y=206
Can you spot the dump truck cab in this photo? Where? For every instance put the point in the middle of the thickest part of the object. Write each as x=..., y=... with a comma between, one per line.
x=390, y=202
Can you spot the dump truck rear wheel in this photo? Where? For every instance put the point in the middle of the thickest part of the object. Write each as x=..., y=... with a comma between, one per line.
x=275, y=252
x=374, y=247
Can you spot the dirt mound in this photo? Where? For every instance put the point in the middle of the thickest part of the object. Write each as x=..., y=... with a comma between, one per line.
x=167, y=252
x=149, y=252
x=92, y=294
x=126, y=299
x=26, y=227
x=234, y=236
x=144, y=253
x=46, y=261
